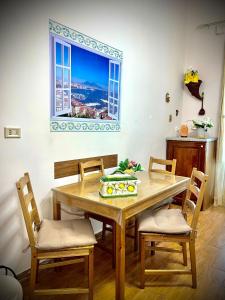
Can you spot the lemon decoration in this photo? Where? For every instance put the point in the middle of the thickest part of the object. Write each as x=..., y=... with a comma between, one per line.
x=121, y=186
x=109, y=190
x=130, y=188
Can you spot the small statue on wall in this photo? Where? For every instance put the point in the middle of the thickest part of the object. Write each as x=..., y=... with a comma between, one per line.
x=192, y=82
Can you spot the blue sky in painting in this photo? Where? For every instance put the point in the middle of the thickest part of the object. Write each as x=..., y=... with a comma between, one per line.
x=89, y=66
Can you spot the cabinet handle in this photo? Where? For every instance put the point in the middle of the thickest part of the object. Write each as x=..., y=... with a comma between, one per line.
x=201, y=146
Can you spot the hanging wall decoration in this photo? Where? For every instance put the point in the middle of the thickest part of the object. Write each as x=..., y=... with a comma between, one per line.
x=192, y=82
x=85, y=82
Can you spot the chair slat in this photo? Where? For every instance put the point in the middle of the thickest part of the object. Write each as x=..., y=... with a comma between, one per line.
x=61, y=291
x=195, y=190
x=33, y=216
x=198, y=174
x=92, y=163
x=23, y=181
x=191, y=204
x=166, y=272
x=28, y=198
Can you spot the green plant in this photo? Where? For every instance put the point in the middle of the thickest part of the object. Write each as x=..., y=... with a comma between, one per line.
x=203, y=123
x=131, y=165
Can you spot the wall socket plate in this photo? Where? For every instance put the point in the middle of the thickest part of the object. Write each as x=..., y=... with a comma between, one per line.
x=12, y=132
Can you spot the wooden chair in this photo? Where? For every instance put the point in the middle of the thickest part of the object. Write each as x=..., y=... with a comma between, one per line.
x=51, y=239
x=165, y=162
x=107, y=224
x=170, y=168
x=67, y=168
x=168, y=164
x=173, y=227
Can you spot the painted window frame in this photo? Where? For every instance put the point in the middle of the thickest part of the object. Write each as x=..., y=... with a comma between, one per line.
x=114, y=94
x=63, y=67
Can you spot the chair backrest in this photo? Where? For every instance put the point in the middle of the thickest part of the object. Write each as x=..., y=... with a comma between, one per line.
x=165, y=162
x=29, y=207
x=197, y=178
x=86, y=167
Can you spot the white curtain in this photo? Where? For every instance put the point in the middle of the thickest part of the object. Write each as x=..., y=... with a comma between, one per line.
x=219, y=199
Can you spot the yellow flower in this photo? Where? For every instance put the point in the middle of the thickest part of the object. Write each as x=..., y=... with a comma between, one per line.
x=191, y=76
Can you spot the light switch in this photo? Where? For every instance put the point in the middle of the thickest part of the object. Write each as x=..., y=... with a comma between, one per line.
x=12, y=132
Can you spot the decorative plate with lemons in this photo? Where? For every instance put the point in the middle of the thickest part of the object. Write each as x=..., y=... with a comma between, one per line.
x=118, y=185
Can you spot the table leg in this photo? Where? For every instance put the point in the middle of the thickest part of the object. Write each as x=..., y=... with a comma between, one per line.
x=120, y=261
x=56, y=209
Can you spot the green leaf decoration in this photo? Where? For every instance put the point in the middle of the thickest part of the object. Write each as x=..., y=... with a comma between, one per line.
x=124, y=165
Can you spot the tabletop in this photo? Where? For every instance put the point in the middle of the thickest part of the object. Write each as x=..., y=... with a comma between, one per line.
x=153, y=188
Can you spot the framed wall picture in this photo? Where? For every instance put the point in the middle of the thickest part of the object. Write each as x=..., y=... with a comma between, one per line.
x=85, y=82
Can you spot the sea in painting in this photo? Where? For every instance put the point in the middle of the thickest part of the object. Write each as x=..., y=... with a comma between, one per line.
x=89, y=84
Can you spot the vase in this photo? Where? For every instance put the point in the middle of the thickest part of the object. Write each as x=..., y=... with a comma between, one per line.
x=201, y=133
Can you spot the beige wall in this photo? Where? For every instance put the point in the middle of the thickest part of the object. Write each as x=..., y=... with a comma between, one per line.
x=205, y=53
x=151, y=36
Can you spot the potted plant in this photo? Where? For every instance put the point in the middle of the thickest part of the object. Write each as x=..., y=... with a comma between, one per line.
x=202, y=126
x=129, y=166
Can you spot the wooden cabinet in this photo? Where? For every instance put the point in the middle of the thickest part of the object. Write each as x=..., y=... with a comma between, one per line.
x=190, y=153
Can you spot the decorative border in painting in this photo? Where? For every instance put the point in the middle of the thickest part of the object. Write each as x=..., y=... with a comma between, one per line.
x=84, y=126
x=82, y=39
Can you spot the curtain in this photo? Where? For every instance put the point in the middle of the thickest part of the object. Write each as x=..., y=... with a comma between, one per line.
x=219, y=198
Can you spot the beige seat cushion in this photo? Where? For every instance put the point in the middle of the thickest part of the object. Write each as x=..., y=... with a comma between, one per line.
x=164, y=221
x=65, y=234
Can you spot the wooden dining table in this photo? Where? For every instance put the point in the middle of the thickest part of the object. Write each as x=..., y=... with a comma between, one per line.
x=152, y=188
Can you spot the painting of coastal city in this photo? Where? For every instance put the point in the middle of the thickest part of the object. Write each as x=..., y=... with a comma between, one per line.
x=85, y=84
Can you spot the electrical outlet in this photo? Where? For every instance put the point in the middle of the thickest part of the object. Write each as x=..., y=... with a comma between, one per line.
x=12, y=132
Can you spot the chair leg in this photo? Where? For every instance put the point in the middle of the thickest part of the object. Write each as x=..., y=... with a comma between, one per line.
x=136, y=235
x=184, y=250
x=139, y=244
x=37, y=277
x=90, y=274
x=193, y=262
x=86, y=264
x=152, y=245
x=103, y=230
x=33, y=272
x=142, y=253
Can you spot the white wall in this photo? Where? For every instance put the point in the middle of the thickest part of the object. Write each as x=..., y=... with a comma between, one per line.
x=205, y=53
x=150, y=33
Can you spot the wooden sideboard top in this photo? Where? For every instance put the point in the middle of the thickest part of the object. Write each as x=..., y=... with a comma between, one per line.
x=191, y=139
